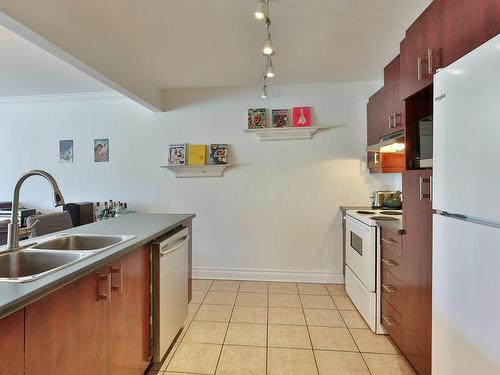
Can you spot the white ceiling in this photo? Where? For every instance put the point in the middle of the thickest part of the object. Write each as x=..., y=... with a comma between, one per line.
x=27, y=70
x=154, y=45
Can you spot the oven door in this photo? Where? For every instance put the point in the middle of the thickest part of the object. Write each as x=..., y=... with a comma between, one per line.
x=361, y=251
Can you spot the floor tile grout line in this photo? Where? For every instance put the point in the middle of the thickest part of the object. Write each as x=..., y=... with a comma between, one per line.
x=175, y=347
x=267, y=327
x=355, y=343
x=268, y=307
x=227, y=328
x=309, y=335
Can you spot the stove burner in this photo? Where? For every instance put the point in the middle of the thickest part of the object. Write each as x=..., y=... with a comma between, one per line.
x=366, y=212
x=390, y=213
x=384, y=218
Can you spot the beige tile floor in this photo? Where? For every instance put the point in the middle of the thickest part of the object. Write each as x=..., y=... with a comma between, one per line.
x=275, y=328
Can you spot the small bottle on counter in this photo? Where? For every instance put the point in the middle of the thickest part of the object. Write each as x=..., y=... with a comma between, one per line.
x=96, y=211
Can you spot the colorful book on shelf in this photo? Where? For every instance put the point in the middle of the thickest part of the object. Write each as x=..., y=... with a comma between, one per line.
x=280, y=118
x=196, y=154
x=301, y=116
x=256, y=118
x=218, y=154
x=177, y=154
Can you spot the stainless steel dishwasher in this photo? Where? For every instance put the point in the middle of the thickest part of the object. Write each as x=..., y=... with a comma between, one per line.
x=170, y=289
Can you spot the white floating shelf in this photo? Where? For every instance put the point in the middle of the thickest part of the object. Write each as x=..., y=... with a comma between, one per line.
x=188, y=171
x=286, y=133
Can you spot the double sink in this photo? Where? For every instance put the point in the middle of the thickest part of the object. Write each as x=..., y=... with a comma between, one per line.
x=54, y=253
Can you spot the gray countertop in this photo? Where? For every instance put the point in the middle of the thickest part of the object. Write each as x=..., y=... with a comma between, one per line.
x=145, y=228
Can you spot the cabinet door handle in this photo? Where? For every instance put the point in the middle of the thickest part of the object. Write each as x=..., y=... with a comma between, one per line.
x=117, y=270
x=390, y=122
x=388, y=320
x=430, y=61
x=388, y=262
x=388, y=241
x=104, y=296
x=420, y=191
x=419, y=69
x=396, y=115
x=431, y=190
x=388, y=288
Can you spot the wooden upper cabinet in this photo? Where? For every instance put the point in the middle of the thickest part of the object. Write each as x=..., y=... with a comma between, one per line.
x=129, y=314
x=466, y=25
x=12, y=344
x=414, y=49
x=444, y=32
x=375, y=113
x=392, y=98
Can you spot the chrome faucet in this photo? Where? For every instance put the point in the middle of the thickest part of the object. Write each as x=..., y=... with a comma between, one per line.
x=13, y=229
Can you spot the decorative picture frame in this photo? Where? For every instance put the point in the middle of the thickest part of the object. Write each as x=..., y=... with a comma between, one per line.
x=66, y=151
x=101, y=150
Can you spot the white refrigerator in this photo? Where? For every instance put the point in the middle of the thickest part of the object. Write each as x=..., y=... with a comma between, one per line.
x=466, y=223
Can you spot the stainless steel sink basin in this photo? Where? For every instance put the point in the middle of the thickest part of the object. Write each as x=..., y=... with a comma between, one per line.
x=33, y=261
x=81, y=242
x=28, y=265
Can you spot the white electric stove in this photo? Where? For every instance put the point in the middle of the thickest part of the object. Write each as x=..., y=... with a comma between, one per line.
x=362, y=275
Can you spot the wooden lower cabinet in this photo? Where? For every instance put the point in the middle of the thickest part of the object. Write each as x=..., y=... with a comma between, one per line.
x=98, y=324
x=12, y=344
x=129, y=314
x=66, y=331
x=407, y=274
x=417, y=245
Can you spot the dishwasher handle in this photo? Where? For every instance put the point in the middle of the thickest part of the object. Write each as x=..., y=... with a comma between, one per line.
x=178, y=244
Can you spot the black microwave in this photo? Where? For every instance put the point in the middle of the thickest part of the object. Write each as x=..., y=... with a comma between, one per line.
x=424, y=142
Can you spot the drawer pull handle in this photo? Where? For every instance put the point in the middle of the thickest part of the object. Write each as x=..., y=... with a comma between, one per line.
x=388, y=288
x=388, y=241
x=389, y=321
x=388, y=262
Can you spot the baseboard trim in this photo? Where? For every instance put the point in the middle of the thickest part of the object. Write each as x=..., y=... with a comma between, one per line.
x=267, y=275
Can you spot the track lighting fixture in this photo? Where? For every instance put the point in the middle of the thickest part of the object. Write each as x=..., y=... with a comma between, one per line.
x=260, y=11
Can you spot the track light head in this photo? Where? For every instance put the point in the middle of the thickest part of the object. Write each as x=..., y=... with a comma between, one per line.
x=270, y=69
x=260, y=11
x=263, y=93
x=268, y=47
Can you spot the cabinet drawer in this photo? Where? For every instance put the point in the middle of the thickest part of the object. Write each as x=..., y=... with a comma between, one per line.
x=391, y=241
x=392, y=322
x=392, y=263
x=392, y=290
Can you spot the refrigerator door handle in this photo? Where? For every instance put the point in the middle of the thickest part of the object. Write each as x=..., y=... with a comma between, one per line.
x=468, y=219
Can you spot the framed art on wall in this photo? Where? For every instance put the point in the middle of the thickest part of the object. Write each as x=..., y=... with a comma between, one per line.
x=101, y=150
x=66, y=151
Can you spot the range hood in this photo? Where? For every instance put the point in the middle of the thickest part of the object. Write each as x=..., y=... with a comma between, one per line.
x=390, y=144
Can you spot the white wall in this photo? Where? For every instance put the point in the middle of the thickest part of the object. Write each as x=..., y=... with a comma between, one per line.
x=274, y=215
